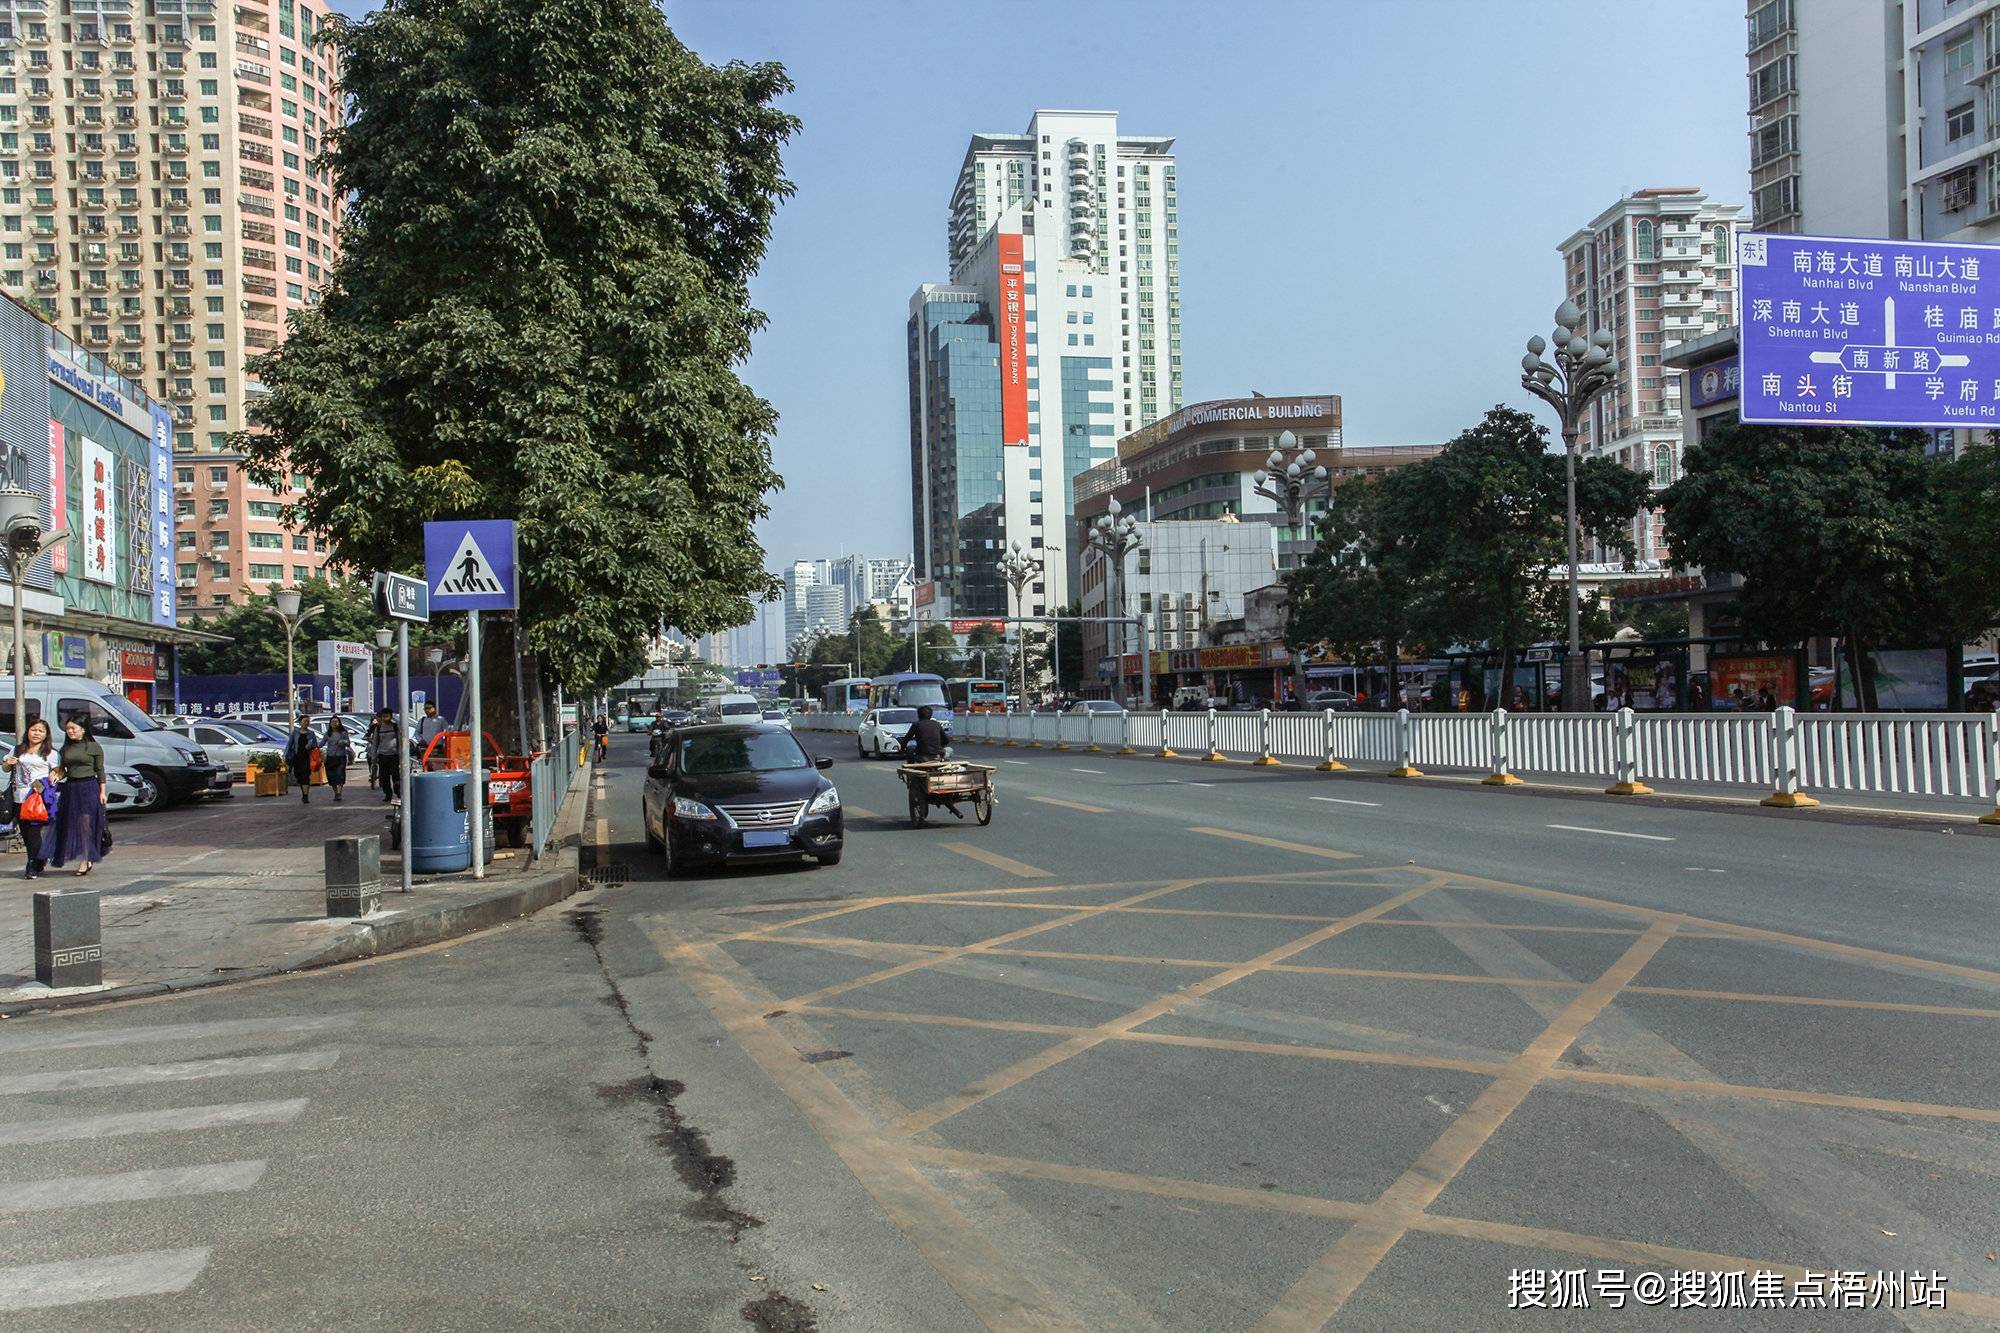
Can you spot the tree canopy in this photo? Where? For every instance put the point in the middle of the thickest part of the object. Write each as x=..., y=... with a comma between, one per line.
x=538, y=312
x=1362, y=592
x=257, y=641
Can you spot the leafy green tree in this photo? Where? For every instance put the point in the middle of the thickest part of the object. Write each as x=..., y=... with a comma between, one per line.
x=538, y=312
x=1842, y=530
x=1485, y=524
x=257, y=642
x=1362, y=592
x=939, y=651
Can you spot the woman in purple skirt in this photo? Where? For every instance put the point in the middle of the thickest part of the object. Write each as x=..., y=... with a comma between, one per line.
x=80, y=814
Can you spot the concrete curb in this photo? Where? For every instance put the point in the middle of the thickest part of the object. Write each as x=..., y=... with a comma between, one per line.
x=392, y=933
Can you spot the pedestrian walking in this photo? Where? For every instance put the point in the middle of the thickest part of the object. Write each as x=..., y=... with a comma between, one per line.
x=430, y=727
x=302, y=756
x=334, y=752
x=32, y=768
x=385, y=747
x=80, y=832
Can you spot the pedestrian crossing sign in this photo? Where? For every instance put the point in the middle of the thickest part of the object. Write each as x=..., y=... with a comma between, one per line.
x=470, y=565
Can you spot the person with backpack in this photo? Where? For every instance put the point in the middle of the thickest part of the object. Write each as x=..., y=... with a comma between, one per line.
x=302, y=757
x=384, y=743
x=32, y=767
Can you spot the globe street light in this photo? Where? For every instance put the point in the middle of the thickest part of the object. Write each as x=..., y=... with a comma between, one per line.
x=284, y=609
x=21, y=530
x=1115, y=535
x=1292, y=482
x=1583, y=369
x=385, y=639
x=1019, y=569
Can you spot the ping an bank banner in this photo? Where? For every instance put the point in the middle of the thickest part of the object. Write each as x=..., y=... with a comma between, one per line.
x=1013, y=342
x=1853, y=331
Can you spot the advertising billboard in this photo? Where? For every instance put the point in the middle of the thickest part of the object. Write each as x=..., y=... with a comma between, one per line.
x=58, y=497
x=100, y=514
x=1848, y=331
x=160, y=484
x=1737, y=681
x=1013, y=341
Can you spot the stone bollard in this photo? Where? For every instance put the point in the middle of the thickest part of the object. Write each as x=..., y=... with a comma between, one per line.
x=353, y=875
x=69, y=941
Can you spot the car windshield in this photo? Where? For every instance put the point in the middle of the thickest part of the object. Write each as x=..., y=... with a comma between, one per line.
x=741, y=751
x=896, y=716
x=913, y=693
x=129, y=713
x=739, y=709
x=241, y=732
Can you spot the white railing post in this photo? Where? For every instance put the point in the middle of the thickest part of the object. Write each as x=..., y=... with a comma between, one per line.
x=1265, y=758
x=1502, y=747
x=1785, y=793
x=1034, y=742
x=1125, y=733
x=1062, y=744
x=1013, y=741
x=1214, y=755
x=1406, y=747
x=1993, y=765
x=1166, y=750
x=1090, y=734
x=1625, y=756
x=1329, y=764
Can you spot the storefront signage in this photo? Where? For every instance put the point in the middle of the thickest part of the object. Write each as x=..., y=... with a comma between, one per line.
x=1845, y=331
x=1013, y=341
x=65, y=652
x=1232, y=657
x=58, y=497
x=162, y=506
x=100, y=514
x=1716, y=382
x=78, y=374
x=967, y=626
x=1321, y=411
x=135, y=664
x=923, y=593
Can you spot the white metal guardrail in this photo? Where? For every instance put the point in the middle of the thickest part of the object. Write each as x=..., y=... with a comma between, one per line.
x=1790, y=754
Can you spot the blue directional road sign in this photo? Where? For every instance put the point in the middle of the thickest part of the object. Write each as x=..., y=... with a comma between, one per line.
x=470, y=564
x=1840, y=330
x=400, y=597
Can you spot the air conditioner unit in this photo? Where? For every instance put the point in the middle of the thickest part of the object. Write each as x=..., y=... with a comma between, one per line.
x=1169, y=620
x=183, y=583
x=183, y=488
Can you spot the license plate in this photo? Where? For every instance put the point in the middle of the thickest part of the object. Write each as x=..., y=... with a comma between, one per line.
x=222, y=780
x=766, y=838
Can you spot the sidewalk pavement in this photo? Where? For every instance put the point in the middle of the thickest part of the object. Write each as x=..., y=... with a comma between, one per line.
x=233, y=888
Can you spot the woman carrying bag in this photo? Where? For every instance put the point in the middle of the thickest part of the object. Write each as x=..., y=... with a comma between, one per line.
x=333, y=761
x=81, y=834
x=33, y=777
x=302, y=758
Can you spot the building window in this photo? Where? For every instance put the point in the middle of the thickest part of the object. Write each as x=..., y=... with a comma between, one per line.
x=268, y=572
x=1958, y=122
x=1958, y=56
x=1643, y=239
x=1961, y=190
x=1663, y=465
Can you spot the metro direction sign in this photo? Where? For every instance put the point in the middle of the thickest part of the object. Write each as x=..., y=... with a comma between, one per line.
x=1854, y=331
x=400, y=597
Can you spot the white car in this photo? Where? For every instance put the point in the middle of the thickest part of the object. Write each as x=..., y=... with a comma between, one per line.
x=737, y=708
x=126, y=791
x=778, y=717
x=1086, y=707
x=230, y=744
x=885, y=732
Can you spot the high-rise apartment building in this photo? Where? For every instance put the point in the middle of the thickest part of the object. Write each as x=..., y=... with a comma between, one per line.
x=1656, y=268
x=826, y=609
x=1058, y=333
x=158, y=203
x=798, y=579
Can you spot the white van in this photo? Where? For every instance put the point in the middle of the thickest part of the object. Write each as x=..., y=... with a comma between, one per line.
x=738, y=708
x=173, y=765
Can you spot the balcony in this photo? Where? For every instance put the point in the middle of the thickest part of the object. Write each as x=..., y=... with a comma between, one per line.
x=256, y=286
x=182, y=335
x=98, y=338
x=255, y=46
x=253, y=179
x=130, y=283
x=182, y=395
x=177, y=171
x=91, y=146
x=250, y=203
x=255, y=152
x=259, y=338
x=178, y=227
x=256, y=125
x=97, y=282
x=122, y=35
x=260, y=231
x=253, y=72
x=180, y=307
x=41, y=205
x=173, y=90
x=182, y=360
x=40, y=115
x=43, y=227
x=45, y=280
x=176, y=145
x=180, y=282
x=126, y=91
x=176, y=37
x=129, y=339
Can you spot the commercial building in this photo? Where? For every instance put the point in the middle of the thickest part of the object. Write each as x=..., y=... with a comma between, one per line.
x=1876, y=118
x=1201, y=463
x=1058, y=332
x=798, y=579
x=160, y=205
x=1656, y=268
x=72, y=430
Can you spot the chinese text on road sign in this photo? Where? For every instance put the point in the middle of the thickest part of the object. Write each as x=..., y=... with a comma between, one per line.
x=399, y=597
x=1852, y=331
x=470, y=564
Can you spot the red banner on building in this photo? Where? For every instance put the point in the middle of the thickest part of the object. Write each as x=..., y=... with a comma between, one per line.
x=1013, y=343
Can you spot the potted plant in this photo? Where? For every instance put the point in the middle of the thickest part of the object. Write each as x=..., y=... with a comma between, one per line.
x=267, y=770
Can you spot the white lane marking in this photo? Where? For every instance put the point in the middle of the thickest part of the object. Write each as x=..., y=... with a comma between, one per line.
x=1098, y=771
x=152, y=1273
x=1014, y=761
x=1192, y=783
x=61, y=1035
x=175, y=1121
x=1610, y=832
x=123, y=1076
x=178, y=1182
x=1336, y=800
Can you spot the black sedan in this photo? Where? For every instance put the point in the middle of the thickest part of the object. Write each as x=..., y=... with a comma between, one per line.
x=729, y=792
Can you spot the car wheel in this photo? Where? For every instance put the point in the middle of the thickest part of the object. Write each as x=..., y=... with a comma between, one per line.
x=828, y=858
x=859, y=748
x=652, y=839
x=675, y=866
x=158, y=782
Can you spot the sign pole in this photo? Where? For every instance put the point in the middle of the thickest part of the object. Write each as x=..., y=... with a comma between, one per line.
x=403, y=737
x=475, y=801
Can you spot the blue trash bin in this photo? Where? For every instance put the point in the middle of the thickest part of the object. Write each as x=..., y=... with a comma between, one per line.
x=440, y=839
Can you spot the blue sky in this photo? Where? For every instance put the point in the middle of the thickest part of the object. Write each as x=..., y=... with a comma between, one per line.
x=1371, y=192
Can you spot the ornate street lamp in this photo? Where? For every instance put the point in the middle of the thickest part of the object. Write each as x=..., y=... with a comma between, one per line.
x=1116, y=535
x=1583, y=369
x=1291, y=482
x=284, y=609
x=1019, y=569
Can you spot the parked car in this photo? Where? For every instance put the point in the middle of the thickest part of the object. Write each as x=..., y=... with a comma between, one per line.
x=127, y=793
x=1340, y=701
x=349, y=726
x=735, y=708
x=172, y=765
x=1085, y=707
x=726, y=792
x=778, y=717
x=676, y=717
x=230, y=744
x=884, y=732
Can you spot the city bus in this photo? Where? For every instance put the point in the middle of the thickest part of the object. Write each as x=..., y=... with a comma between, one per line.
x=846, y=695
x=910, y=689
x=971, y=694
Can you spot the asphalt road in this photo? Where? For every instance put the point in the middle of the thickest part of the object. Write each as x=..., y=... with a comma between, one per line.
x=1168, y=1045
